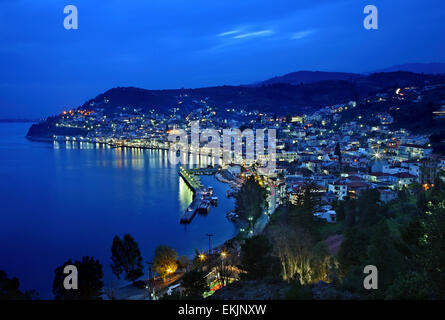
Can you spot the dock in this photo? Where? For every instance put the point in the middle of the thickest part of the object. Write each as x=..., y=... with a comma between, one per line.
x=202, y=197
x=203, y=171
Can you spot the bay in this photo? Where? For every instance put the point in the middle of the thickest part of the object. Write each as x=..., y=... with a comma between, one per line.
x=62, y=201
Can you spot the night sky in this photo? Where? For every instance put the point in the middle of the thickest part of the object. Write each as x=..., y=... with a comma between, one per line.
x=159, y=44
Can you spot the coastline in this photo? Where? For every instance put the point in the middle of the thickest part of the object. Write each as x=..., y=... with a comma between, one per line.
x=125, y=203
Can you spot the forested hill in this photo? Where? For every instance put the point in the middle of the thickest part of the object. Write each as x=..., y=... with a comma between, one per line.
x=281, y=98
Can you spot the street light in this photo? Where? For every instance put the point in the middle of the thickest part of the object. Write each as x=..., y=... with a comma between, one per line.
x=223, y=254
x=202, y=256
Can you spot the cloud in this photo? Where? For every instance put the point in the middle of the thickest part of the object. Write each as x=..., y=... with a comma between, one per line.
x=228, y=33
x=254, y=34
x=301, y=34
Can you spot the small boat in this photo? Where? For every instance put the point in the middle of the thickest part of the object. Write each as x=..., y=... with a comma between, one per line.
x=232, y=216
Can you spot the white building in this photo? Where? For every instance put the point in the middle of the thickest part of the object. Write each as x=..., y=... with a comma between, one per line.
x=339, y=189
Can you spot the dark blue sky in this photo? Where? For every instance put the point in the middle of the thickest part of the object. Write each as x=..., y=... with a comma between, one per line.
x=159, y=44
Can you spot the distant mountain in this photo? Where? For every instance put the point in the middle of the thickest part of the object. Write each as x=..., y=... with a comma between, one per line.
x=280, y=98
x=304, y=77
x=427, y=68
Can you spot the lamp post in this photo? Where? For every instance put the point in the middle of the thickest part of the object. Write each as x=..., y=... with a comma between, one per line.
x=209, y=235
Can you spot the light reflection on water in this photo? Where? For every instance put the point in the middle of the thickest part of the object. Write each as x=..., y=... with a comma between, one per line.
x=66, y=200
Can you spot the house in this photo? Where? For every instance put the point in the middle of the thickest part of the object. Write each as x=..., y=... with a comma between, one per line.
x=355, y=188
x=340, y=189
x=403, y=179
x=413, y=167
x=387, y=195
x=330, y=216
x=287, y=156
x=428, y=171
x=313, y=165
x=234, y=169
x=413, y=151
x=377, y=177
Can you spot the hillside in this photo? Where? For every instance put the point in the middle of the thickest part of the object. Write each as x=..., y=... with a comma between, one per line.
x=278, y=98
x=427, y=68
x=303, y=77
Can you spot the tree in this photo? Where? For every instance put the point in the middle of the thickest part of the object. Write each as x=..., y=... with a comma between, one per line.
x=9, y=289
x=250, y=199
x=117, y=257
x=337, y=152
x=352, y=250
x=199, y=260
x=320, y=262
x=293, y=248
x=302, y=213
x=256, y=257
x=194, y=284
x=422, y=202
x=297, y=291
x=368, y=208
x=350, y=212
x=126, y=257
x=90, y=282
x=340, y=211
x=382, y=253
x=183, y=263
x=433, y=255
x=165, y=260
x=225, y=269
x=408, y=286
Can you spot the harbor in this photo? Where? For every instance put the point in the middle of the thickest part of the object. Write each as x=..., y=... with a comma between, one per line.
x=203, y=198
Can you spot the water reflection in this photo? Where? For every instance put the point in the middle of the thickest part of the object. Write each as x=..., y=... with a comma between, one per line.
x=67, y=200
x=185, y=195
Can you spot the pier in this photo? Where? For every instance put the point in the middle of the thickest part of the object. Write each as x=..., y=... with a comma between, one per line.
x=203, y=171
x=202, y=197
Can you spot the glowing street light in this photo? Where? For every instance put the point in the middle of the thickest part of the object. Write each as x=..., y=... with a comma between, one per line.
x=223, y=254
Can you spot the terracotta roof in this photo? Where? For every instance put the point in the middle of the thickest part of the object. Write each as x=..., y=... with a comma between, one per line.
x=377, y=174
x=358, y=184
x=403, y=175
x=339, y=183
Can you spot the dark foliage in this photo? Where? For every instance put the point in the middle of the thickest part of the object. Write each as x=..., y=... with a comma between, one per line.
x=90, y=282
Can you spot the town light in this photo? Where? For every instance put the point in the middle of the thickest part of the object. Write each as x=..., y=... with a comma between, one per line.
x=202, y=257
x=223, y=254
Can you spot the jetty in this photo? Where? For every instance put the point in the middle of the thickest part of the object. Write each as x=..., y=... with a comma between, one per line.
x=203, y=171
x=203, y=198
